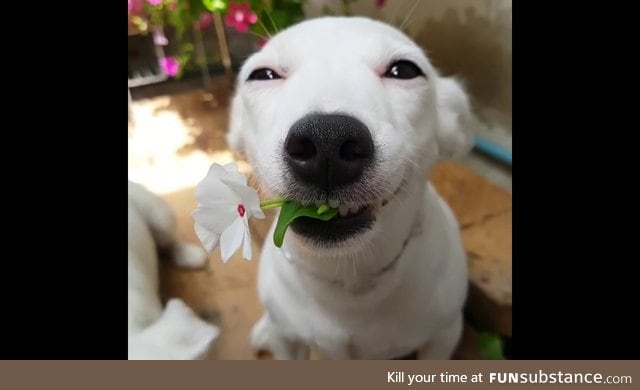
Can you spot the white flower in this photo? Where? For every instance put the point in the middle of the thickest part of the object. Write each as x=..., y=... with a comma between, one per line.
x=225, y=204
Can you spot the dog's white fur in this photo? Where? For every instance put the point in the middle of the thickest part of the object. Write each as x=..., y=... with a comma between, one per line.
x=174, y=333
x=401, y=285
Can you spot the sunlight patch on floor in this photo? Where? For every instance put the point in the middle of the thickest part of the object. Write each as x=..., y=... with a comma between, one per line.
x=154, y=155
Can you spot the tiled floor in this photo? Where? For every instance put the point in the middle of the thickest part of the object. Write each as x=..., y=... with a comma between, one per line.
x=176, y=138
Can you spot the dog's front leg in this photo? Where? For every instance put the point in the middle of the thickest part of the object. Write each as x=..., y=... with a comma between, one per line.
x=265, y=337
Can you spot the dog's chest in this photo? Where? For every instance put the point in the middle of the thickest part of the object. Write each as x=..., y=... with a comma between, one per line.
x=381, y=332
x=345, y=323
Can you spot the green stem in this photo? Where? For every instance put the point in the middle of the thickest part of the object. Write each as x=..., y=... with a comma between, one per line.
x=272, y=204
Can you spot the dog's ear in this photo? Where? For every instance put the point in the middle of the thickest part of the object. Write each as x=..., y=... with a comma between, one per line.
x=235, y=138
x=456, y=120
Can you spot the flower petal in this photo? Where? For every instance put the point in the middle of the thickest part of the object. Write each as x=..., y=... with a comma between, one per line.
x=228, y=19
x=227, y=171
x=169, y=65
x=213, y=193
x=159, y=38
x=257, y=213
x=215, y=219
x=208, y=239
x=211, y=190
x=247, y=196
x=231, y=239
x=205, y=20
x=246, y=247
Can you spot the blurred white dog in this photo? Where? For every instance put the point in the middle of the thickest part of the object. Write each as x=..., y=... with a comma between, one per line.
x=351, y=112
x=175, y=333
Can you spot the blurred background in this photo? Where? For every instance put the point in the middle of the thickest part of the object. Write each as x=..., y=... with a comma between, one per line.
x=183, y=56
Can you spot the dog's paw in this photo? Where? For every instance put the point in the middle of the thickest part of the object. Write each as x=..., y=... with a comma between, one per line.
x=260, y=336
x=264, y=338
x=189, y=256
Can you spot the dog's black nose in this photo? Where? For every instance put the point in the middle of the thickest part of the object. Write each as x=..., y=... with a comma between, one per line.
x=328, y=150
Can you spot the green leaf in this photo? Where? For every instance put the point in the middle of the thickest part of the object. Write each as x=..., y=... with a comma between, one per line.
x=489, y=346
x=290, y=211
x=255, y=4
x=215, y=5
x=194, y=8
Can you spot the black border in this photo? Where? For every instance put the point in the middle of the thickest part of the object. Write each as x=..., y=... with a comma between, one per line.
x=64, y=271
x=574, y=290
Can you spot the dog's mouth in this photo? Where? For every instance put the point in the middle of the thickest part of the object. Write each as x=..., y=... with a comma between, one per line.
x=336, y=229
x=349, y=222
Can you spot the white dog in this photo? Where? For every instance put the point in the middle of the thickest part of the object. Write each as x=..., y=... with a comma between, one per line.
x=175, y=333
x=350, y=111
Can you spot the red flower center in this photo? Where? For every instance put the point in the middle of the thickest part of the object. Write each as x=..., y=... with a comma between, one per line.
x=241, y=210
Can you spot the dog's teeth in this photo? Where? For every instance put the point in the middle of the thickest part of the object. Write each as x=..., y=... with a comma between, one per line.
x=350, y=205
x=343, y=210
x=334, y=203
x=319, y=203
x=354, y=210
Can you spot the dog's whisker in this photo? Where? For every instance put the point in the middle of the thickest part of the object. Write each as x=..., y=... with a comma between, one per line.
x=335, y=262
x=411, y=20
x=409, y=15
x=338, y=267
x=264, y=28
x=275, y=28
x=354, y=267
x=369, y=247
x=413, y=163
x=257, y=35
x=418, y=148
x=395, y=195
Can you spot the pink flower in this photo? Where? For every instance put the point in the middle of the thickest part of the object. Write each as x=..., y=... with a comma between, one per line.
x=380, y=3
x=159, y=38
x=135, y=6
x=170, y=66
x=240, y=16
x=205, y=20
x=154, y=2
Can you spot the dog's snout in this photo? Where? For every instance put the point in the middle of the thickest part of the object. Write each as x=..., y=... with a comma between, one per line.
x=329, y=150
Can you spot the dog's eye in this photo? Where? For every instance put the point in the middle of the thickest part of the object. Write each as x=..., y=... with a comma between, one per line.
x=404, y=70
x=264, y=74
